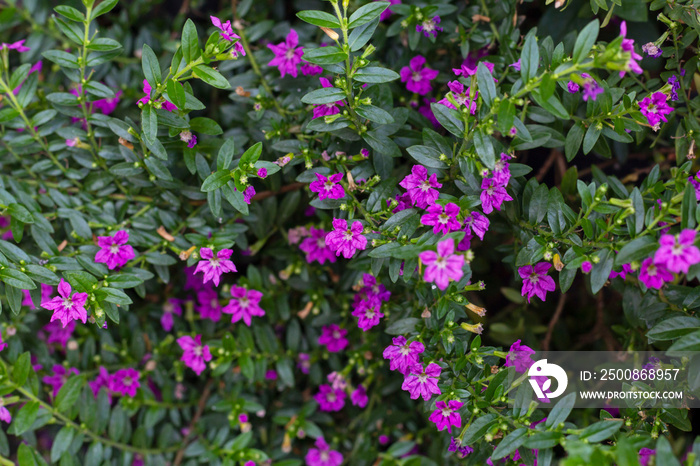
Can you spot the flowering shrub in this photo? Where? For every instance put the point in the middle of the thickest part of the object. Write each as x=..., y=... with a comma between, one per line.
x=354, y=186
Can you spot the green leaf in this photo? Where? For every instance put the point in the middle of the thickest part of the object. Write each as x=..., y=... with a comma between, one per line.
x=361, y=35
x=62, y=442
x=63, y=59
x=69, y=393
x=327, y=95
x=124, y=280
x=205, y=125
x=591, y=137
x=688, y=207
x=190, y=43
x=325, y=55
x=539, y=204
x=426, y=156
x=367, y=13
x=478, y=428
x=600, y=431
x=450, y=119
x=14, y=297
x=637, y=249
x=16, y=278
x=103, y=7
x=319, y=18
x=235, y=198
x=530, y=58
x=690, y=342
x=176, y=93
x=375, y=74
x=487, y=88
x=115, y=296
x=224, y=158
x=25, y=455
x=150, y=66
x=250, y=156
x=664, y=453
x=601, y=271
x=149, y=123
x=24, y=419
x=375, y=114
x=484, y=149
x=157, y=168
x=585, y=41
x=561, y=411
x=510, y=443
x=70, y=13
x=21, y=368
x=211, y=77
x=573, y=141
x=674, y=327
x=402, y=326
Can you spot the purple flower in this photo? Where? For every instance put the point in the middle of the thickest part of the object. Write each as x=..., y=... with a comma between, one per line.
x=334, y=338
x=359, y=397
x=368, y=312
x=160, y=102
x=102, y=380
x=501, y=172
x=322, y=455
x=461, y=96
x=58, y=333
x=327, y=109
x=586, y=266
x=493, y=195
x=330, y=399
x=364, y=152
x=442, y=219
x=214, y=267
x=655, y=108
x=66, y=307
x=444, y=265
x=516, y=65
x=675, y=87
x=309, y=69
x=262, y=173
x=387, y=13
x=536, y=282
x=519, y=357
x=645, y=455
x=416, y=77
x=654, y=275
x=455, y=445
x=195, y=355
x=626, y=268
x=403, y=355
x=287, y=55
x=422, y=382
x=228, y=34
x=208, y=307
x=446, y=415
x=572, y=87
x=125, y=382
x=46, y=292
x=429, y=27
x=678, y=253
x=59, y=377
x=115, y=252
x=469, y=68
x=591, y=89
x=189, y=138
x=173, y=306
x=248, y=195
x=315, y=247
x=652, y=50
x=328, y=188
x=19, y=46
x=3, y=345
x=244, y=304
x=421, y=188
x=344, y=240
x=304, y=364
x=628, y=46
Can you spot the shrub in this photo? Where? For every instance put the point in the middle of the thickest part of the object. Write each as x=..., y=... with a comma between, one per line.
x=241, y=236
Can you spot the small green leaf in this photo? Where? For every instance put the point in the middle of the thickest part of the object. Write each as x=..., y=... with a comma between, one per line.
x=375, y=74
x=211, y=77
x=326, y=95
x=319, y=18
x=585, y=41
x=325, y=55
x=216, y=180
x=510, y=443
x=149, y=123
x=367, y=13
x=150, y=65
x=190, y=43
x=70, y=13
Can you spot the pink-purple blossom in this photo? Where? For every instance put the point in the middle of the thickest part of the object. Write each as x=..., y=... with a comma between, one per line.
x=416, y=77
x=476, y=223
x=262, y=173
x=678, y=253
x=244, y=305
x=519, y=357
x=102, y=380
x=442, y=219
x=443, y=265
x=536, y=282
x=346, y=240
x=115, y=252
x=359, y=397
x=66, y=307
x=287, y=54
x=403, y=355
x=493, y=195
x=422, y=382
x=368, y=313
x=322, y=455
x=460, y=94
x=195, y=355
x=652, y=50
x=469, y=68
x=214, y=267
x=654, y=275
x=19, y=46
x=329, y=398
x=655, y=109
x=208, y=305
x=421, y=189
x=57, y=333
x=125, y=382
x=315, y=247
x=334, y=338
x=188, y=138
x=228, y=34
x=628, y=46
x=172, y=306
x=429, y=27
x=160, y=102
x=59, y=377
x=446, y=416
x=328, y=187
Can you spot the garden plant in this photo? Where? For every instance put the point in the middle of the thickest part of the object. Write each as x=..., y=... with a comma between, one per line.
x=321, y=231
